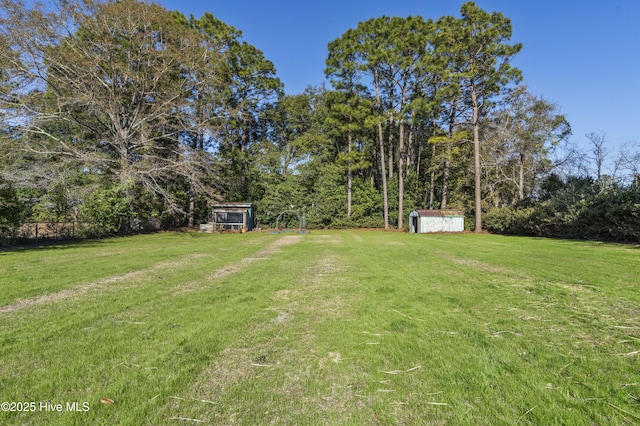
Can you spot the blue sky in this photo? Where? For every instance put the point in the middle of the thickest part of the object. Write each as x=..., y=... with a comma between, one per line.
x=582, y=55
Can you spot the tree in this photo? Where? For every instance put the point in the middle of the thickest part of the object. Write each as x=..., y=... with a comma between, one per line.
x=299, y=132
x=349, y=107
x=7, y=77
x=520, y=136
x=12, y=210
x=252, y=90
x=599, y=152
x=354, y=53
x=390, y=51
x=628, y=159
x=481, y=59
x=112, y=89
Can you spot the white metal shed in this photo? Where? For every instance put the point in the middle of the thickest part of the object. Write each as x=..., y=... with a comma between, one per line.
x=425, y=221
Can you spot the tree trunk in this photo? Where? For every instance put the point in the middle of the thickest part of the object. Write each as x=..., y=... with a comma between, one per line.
x=432, y=179
x=411, y=157
x=349, y=177
x=401, y=176
x=385, y=194
x=476, y=159
x=445, y=181
x=192, y=206
x=243, y=148
x=521, y=178
x=447, y=164
x=391, y=153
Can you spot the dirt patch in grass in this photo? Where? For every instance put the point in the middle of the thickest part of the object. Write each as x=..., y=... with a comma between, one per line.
x=316, y=279
x=263, y=254
x=231, y=366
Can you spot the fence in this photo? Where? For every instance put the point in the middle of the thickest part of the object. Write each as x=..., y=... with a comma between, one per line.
x=37, y=232
x=40, y=231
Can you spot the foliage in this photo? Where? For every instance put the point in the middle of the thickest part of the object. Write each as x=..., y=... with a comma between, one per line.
x=105, y=99
x=481, y=66
x=12, y=210
x=109, y=88
x=108, y=212
x=280, y=196
x=524, y=130
x=574, y=208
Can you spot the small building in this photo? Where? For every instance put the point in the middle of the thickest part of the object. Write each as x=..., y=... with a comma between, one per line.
x=425, y=221
x=233, y=216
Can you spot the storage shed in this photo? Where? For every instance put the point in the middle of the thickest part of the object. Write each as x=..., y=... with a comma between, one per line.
x=425, y=221
x=233, y=216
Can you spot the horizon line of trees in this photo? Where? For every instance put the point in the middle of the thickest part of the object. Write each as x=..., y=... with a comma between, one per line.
x=121, y=113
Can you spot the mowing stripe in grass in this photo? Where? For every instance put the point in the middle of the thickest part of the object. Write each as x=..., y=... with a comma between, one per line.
x=127, y=321
x=352, y=327
x=185, y=262
x=237, y=266
x=279, y=357
x=103, y=284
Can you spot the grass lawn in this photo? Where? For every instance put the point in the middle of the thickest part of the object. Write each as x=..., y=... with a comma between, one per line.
x=335, y=327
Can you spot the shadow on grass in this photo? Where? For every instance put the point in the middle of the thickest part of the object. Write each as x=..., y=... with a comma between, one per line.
x=29, y=245
x=53, y=245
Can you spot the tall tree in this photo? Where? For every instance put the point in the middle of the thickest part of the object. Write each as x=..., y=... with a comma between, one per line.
x=120, y=77
x=349, y=109
x=409, y=56
x=242, y=108
x=482, y=57
x=389, y=52
x=362, y=49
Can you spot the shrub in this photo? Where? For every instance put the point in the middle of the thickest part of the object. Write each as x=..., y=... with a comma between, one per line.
x=581, y=208
x=11, y=210
x=108, y=212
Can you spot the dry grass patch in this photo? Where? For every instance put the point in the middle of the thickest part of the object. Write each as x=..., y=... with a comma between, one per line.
x=332, y=238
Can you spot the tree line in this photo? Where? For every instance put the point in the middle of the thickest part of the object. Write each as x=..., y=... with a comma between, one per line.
x=123, y=115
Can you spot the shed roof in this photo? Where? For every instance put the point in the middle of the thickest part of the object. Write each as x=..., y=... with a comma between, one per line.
x=232, y=206
x=436, y=213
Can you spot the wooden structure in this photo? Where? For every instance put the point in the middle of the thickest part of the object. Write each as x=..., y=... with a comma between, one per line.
x=232, y=216
x=425, y=221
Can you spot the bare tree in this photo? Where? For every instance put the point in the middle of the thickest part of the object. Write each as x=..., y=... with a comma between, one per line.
x=599, y=151
x=524, y=132
x=627, y=163
x=111, y=87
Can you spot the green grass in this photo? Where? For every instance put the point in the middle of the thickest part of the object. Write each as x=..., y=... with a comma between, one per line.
x=344, y=327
